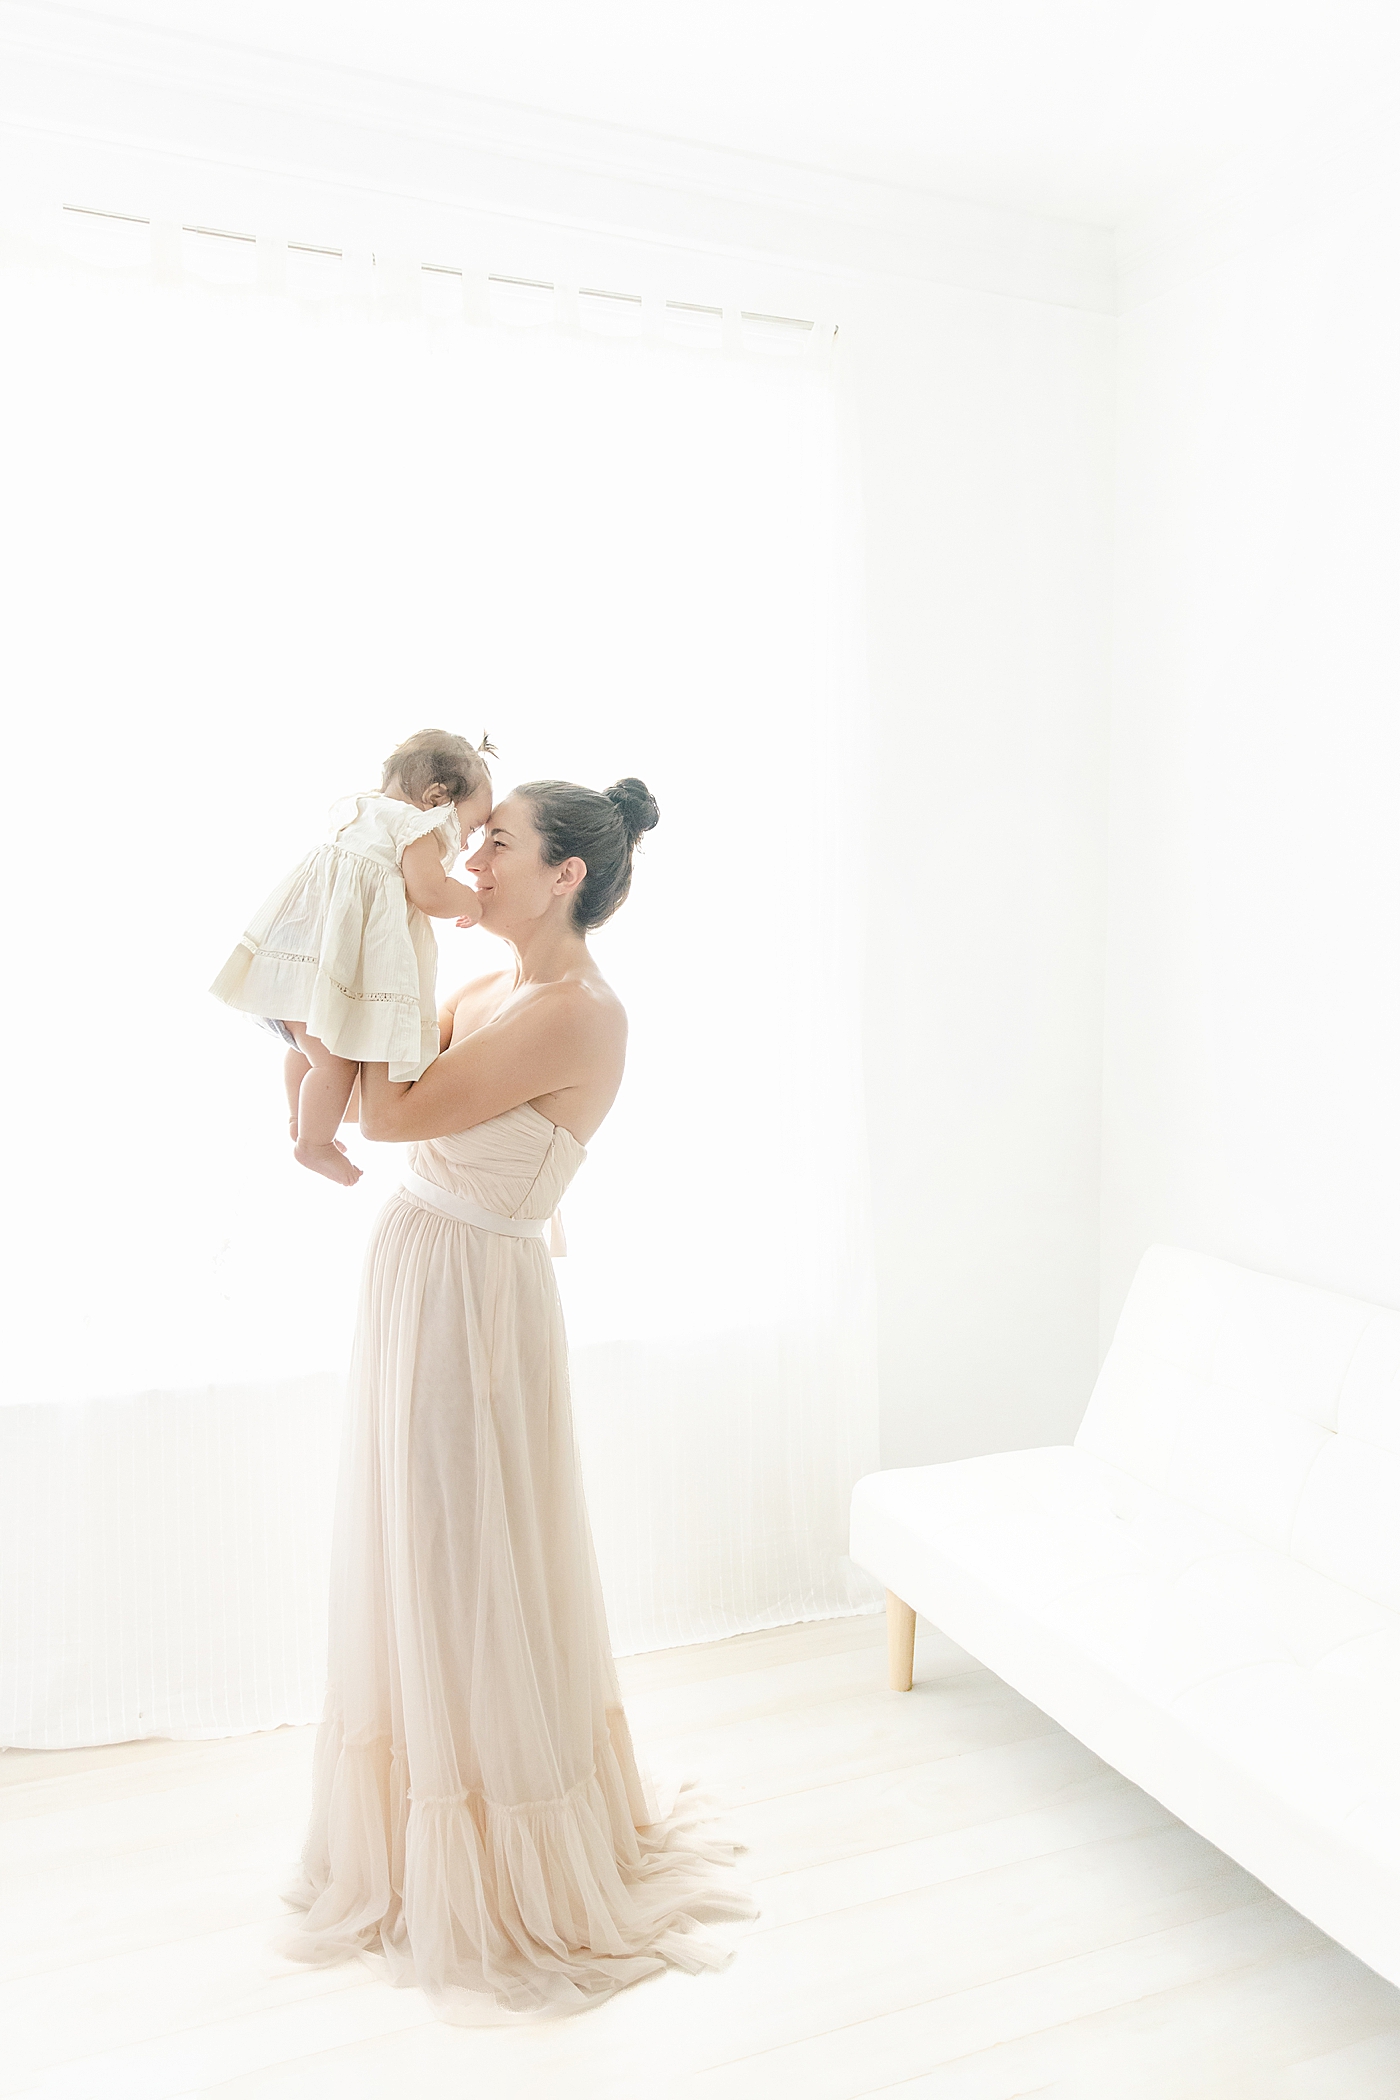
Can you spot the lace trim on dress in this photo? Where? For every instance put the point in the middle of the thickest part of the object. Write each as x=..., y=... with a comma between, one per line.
x=373, y=998
x=363, y=998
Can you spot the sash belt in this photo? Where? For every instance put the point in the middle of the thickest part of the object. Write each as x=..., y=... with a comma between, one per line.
x=454, y=1206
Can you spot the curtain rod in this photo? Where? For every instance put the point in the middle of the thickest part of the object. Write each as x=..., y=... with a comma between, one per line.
x=528, y=284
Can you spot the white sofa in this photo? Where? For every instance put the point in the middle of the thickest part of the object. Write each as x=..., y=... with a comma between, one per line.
x=1205, y=1586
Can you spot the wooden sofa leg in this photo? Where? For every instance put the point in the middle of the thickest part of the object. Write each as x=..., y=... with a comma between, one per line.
x=899, y=1625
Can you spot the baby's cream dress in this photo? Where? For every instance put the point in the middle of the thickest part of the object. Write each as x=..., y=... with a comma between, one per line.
x=339, y=947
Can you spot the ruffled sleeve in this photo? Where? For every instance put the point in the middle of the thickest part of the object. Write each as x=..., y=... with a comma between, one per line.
x=407, y=824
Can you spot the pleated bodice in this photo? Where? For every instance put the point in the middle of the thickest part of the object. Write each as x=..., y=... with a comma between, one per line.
x=518, y=1163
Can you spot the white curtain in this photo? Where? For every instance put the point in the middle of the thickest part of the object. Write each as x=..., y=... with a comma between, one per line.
x=254, y=534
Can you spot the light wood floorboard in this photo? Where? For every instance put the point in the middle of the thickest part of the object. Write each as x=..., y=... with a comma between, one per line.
x=958, y=1902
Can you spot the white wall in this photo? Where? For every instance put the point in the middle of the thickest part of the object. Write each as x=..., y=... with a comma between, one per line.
x=977, y=358
x=1252, y=1083
x=987, y=472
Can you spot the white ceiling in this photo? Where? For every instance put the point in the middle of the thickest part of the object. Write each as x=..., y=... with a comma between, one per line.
x=1097, y=110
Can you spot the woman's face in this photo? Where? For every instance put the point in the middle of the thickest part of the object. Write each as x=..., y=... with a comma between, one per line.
x=512, y=881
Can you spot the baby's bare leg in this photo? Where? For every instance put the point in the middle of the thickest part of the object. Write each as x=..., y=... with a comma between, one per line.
x=321, y=1103
x=295, y=1067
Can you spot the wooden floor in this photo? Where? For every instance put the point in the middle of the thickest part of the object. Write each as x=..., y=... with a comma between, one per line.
x=958, y=1903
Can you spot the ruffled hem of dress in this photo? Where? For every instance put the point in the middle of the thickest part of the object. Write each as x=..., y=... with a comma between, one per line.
x=503, y=1912
x=377, y=1028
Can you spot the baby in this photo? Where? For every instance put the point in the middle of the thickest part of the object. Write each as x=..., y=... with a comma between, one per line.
x=340, y=961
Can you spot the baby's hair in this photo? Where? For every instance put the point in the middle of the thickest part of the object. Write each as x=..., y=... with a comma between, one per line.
x=433, y=758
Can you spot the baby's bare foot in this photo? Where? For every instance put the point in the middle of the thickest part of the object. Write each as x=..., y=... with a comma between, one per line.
x=292, y=1126
x=330, y=1160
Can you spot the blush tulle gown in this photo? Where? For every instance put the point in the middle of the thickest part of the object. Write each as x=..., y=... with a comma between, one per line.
x=479, y=1823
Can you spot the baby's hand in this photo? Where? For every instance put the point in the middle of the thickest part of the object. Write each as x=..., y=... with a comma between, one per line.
x=467, y=924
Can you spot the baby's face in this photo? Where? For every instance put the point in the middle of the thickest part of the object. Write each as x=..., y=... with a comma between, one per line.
x=472, y=813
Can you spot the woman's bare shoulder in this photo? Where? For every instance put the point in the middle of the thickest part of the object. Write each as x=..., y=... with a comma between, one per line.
x=492, y=982
x=474, y=1003
x=581, y=1002
x=598, y=997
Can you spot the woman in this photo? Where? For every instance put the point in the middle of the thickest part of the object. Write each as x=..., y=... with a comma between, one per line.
x=479, y=1824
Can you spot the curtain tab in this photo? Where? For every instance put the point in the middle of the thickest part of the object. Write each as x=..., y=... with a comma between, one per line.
x=821, y=348
x=271, y=263
x=476, y=297
x=398, y=284
x=167, y=251
x=357, y=274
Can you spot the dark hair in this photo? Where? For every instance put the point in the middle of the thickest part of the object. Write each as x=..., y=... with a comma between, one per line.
x=600, y=829
x=436, y=758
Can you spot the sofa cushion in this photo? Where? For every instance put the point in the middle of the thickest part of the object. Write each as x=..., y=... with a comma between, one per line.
x=1269, y=1406
x=1291, y=1676
x=1348, y=1518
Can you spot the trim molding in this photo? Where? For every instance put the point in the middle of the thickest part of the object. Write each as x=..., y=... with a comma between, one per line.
x=139, y=102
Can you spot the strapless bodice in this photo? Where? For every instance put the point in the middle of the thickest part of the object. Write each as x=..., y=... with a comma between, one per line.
x=519, y=1164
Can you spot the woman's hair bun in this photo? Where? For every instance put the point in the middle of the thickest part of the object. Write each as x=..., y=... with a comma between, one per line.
x=636, y=805
x=578, y=821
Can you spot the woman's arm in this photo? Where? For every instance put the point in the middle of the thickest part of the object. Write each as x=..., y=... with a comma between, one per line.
x=431, y=889
x=545, y=1043
x=447, y=1021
